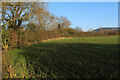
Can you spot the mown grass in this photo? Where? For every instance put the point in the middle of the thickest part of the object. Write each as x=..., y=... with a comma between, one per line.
x=84, y=57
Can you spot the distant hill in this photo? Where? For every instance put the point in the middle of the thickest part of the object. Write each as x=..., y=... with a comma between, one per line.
x=108, y=28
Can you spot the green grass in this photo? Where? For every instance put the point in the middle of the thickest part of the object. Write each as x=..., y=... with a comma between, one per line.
x=84, y=57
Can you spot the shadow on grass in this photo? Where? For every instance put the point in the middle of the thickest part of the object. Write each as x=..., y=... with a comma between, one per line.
x=72, y=60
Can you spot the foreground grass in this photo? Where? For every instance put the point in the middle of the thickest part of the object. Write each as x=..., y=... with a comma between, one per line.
x=88, y=57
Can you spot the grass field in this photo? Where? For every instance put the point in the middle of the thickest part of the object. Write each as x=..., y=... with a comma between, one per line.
x=84, y=57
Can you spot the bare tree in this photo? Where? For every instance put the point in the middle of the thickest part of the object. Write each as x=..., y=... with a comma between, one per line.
x=78, y=29
x=64, y=22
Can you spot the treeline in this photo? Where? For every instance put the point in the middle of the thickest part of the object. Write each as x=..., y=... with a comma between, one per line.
x=26, y=23
x=99, y=33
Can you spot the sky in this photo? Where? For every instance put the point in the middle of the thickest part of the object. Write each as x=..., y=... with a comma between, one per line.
x=87, y=15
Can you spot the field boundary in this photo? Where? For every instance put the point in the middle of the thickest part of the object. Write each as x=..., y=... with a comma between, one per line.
x=56, y=39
